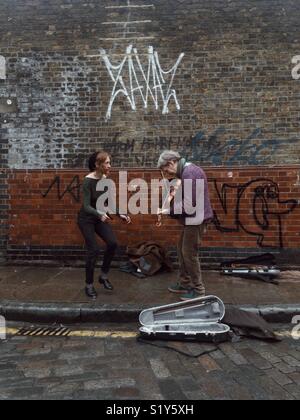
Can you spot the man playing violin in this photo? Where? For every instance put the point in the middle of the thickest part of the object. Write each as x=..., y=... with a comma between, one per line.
x=190, y=284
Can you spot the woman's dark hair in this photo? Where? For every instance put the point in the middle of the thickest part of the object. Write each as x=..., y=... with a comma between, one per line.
x=97, y=157
x=92, y=162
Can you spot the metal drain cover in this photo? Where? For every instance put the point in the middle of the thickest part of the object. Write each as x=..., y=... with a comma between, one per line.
x=44, y=332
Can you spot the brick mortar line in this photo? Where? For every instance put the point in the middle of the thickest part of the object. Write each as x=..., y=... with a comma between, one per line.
x=140, y=169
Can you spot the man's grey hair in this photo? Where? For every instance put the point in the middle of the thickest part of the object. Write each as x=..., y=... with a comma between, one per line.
x=166, y=157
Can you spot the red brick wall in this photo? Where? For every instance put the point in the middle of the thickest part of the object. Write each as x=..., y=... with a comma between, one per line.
x=248, y=216
x=239, y=108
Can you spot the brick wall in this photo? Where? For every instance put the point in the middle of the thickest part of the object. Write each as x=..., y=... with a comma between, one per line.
x=253, y=209
x=229, y=103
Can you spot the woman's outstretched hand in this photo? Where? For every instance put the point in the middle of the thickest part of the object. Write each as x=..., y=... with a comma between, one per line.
x=104, y=218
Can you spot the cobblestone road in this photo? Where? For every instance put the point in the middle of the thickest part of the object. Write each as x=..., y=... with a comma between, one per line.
x=121, y=368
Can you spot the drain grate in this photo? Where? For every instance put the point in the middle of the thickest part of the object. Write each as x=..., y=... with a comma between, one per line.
x=44, y=332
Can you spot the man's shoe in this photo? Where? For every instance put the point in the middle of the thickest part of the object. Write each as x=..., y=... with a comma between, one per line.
x=179, y=289
x=106, y=284
x=192, y=295
x=91, y=293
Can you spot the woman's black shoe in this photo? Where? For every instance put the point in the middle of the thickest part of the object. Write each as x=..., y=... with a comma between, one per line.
x=106, y=284
x=91, y=293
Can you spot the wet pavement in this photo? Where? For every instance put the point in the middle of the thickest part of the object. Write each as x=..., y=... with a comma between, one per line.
x=120, y=368
x=59, y=285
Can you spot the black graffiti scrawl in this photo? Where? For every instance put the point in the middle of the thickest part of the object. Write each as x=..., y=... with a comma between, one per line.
x=266, y=211
x=254, y=207
x=73, y=188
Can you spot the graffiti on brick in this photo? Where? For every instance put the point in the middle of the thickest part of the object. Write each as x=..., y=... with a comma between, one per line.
x=253, y=150
x=266, y=209
x=137, y=149
x=207, y=149
x=73, y=188
x=116, y=146
x=255, y=208
x=130, y=79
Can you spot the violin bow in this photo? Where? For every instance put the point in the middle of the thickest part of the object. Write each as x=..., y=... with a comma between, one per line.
x=176, y=187
x=159, y=216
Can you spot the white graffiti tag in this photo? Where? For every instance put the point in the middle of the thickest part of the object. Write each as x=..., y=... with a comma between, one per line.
x=150, y=84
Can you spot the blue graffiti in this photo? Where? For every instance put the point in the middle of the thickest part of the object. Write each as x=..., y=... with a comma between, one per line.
x=252, y=151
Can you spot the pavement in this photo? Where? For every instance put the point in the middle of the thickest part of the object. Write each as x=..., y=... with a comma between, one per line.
x=56, y=295
x=112, y=365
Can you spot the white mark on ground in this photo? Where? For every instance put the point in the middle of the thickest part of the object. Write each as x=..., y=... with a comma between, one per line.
x=133, y=22
x=132, y=6
x=2, y=68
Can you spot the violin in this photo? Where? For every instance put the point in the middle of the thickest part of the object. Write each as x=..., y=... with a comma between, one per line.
x=169, y=198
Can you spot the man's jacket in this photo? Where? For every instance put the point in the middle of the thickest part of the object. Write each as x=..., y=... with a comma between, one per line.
x=149, y=257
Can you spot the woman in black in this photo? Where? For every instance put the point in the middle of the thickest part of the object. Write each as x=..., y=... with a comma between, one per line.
x=92, y=222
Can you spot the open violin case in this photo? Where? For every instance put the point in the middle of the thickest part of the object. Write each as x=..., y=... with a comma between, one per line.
x=194, y=320
x=263, y=267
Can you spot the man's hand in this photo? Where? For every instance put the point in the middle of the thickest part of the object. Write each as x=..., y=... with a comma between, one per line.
x=173, y=192
x=126, y=219
x=104, y=218
x=162, y=212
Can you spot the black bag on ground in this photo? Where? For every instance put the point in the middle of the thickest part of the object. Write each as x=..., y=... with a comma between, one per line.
x=246, y=324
